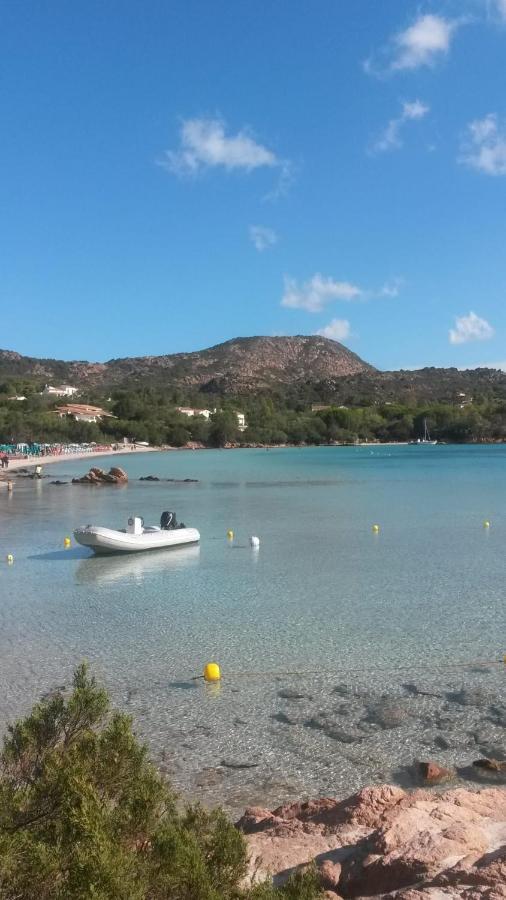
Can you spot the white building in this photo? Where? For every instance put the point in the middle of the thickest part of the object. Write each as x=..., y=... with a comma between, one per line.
x=63, y=390
x=83, y=413
x=241, y=421
x=190, y=411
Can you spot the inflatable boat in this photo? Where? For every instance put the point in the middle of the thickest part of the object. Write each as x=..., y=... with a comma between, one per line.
x=137, y=537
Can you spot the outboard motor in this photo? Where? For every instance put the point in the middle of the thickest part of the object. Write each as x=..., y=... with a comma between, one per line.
x=168, y=521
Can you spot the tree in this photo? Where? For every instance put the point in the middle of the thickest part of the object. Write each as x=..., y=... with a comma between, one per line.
x=84, y=815
x=223, y=428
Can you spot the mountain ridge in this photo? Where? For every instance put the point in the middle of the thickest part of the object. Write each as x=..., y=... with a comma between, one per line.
x=249, y=361
x=309, y=367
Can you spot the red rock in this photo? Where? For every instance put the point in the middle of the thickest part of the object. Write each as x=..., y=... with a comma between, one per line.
x=329, y=873
x=433, y=773
x=423, y=845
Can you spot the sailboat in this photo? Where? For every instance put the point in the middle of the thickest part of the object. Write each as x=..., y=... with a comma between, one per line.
x=426, y=436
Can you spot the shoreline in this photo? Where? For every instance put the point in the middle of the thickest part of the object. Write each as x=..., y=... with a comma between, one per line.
x=15, y=465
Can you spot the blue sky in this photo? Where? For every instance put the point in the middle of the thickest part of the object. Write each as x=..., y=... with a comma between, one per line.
x=175, y=174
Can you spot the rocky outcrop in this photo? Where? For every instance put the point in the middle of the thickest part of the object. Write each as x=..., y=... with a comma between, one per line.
x=386, y=842
x=115, y=475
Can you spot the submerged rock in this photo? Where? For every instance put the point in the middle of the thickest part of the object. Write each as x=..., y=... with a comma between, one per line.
x=490, y=765
x=149, y=478
x=293, y=694
x=238, y=764
x=470, y=697
x=387, y=714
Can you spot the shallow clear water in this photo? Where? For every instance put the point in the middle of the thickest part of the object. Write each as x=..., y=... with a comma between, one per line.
x=324, y=597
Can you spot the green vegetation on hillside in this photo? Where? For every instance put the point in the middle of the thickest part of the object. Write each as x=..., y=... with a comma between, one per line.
x=85, y=816
x=150, y=414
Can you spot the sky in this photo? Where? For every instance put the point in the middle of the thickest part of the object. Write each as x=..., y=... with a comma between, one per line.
x=176, y=173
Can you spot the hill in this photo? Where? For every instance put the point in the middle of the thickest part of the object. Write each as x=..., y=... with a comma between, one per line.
x=235, y=366
x=302, y=368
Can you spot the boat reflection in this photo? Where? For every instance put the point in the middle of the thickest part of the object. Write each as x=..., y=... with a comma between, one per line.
x=135, y=566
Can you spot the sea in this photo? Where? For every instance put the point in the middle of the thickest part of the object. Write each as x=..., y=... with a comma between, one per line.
x=347, y=653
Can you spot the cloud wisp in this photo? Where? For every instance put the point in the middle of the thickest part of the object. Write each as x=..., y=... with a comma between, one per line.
x=319, y=291
x=316, y=293
x=470, y=328
x=391, y=137
x=205, y=144
x=484, y=146
x=336, y=330
x=262, y=238
x=423, y=43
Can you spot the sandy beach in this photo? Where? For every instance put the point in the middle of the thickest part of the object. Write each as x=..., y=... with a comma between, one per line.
x=16, y=464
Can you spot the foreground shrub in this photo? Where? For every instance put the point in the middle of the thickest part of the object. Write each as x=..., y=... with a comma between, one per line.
x=84, y=814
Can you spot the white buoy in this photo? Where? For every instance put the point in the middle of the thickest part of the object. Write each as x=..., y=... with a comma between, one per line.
x=254, y=542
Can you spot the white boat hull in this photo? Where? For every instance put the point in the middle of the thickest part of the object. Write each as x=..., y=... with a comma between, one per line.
x=108, y=540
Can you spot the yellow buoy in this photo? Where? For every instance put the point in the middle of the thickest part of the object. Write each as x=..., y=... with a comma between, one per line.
x=230, y=535
x=486, y=524
x=66, y=542
x=212, y=672
x=376, y=529
x=10, y=558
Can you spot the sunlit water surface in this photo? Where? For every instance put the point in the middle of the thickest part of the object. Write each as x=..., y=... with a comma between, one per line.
x=324, y=597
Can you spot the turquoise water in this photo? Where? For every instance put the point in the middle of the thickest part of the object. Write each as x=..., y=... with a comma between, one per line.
x=323, y=596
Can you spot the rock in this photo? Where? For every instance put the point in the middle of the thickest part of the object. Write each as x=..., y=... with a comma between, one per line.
x=293, y=694
x=149, y=478
x=421, y=845
x=490, y=765
x=285, y=719
x=329, y=874
x=470, y=697
x=238, y=764
x=473, y=878
x=208, y=778
x=414, y=691
x=498, y=715
x=442, y=742
x=98, y=476
x=348, y=736
x=58, y=482
x=387, y=714
x=432, y=773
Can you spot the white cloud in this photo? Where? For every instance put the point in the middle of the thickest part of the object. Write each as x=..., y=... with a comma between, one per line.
x=470, y=328
x=391, y=288
x=205, y=144
x=336, y=330
x=391, y=139
x=484, y=147
x=423, y=43
x=315, y=294
x=497, y=9
x=262, y=237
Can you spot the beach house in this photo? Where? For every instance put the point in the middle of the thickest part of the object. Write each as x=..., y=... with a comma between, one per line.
x=83, y=413
x=63, y=390
x=191, y=411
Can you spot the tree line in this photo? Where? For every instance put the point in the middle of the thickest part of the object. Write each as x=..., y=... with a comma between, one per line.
x=150, y=414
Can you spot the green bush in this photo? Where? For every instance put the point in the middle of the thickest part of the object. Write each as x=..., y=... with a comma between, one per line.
x=84, y=814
